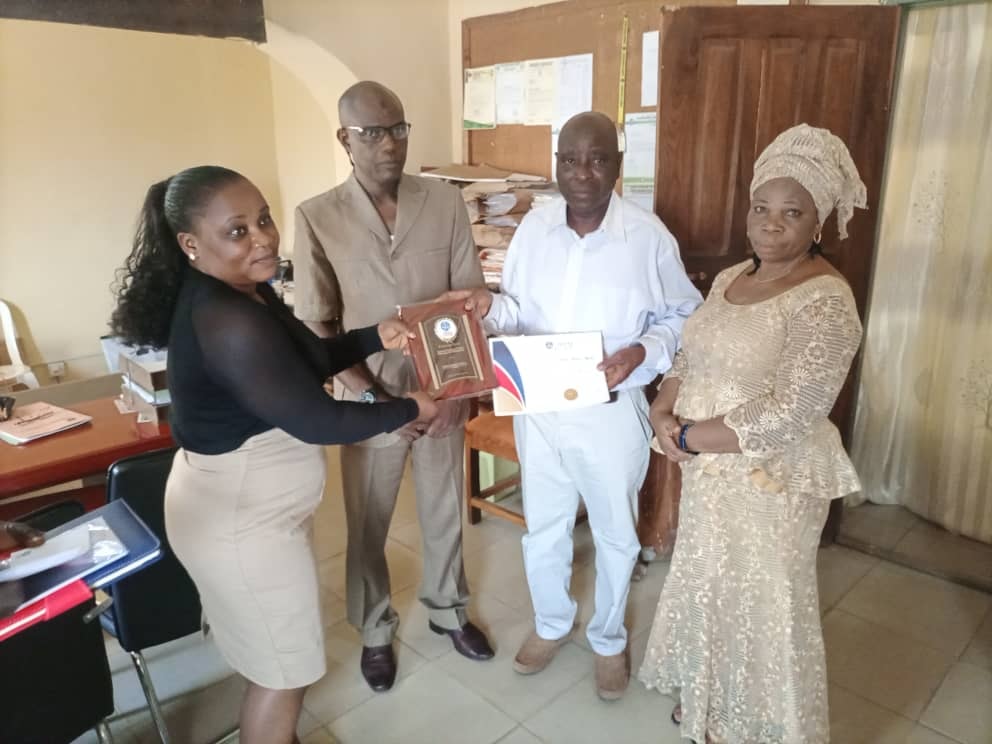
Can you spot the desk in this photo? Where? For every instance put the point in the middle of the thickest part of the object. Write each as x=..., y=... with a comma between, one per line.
x=82, y=452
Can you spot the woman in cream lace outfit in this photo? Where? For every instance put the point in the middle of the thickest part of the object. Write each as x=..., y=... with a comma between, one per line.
x=744, y=410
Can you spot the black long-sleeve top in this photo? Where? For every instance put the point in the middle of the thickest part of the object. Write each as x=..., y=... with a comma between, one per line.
x=238, y=368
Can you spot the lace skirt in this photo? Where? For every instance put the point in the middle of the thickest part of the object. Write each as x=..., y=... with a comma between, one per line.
x=737, y=631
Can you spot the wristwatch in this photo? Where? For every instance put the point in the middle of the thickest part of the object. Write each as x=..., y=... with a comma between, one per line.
x=367, y=396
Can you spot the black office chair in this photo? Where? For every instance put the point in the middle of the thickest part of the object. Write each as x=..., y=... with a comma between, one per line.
x=160, y=603
x=56, y=682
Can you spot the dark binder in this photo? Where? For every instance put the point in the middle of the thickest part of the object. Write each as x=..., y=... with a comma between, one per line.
x=141, y=545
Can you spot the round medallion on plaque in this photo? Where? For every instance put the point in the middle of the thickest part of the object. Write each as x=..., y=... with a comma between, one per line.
x=571, y=394
x=446, y=329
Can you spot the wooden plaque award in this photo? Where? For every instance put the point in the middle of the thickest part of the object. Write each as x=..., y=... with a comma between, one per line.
x=450, y=352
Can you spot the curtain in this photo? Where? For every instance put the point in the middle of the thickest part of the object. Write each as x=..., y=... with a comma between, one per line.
x=923, y=427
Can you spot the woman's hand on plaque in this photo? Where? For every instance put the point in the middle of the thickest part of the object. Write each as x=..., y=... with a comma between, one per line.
x=427, y=409
x=395, y=334
x=452, y=414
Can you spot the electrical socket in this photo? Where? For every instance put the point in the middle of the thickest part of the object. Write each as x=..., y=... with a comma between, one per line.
x=56, y=369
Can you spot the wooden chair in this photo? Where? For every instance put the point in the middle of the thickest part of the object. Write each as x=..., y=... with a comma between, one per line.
x=487, y=432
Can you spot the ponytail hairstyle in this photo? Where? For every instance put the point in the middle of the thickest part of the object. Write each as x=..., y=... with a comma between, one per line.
x=147, y=286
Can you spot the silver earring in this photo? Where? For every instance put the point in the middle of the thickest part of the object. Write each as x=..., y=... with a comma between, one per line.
x=192, y=256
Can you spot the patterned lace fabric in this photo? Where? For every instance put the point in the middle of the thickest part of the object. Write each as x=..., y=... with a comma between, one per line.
x=737, y=631
x=774, y=370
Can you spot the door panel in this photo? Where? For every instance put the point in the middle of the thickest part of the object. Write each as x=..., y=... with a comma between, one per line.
x=731, y=80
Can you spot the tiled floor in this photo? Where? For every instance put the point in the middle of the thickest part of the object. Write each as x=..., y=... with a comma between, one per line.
x=909, y=658
x=916, y=542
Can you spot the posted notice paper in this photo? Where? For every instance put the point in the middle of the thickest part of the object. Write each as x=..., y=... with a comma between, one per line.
x=511, y=89
x=540, y=91
x=639, y=160
x=480, y=98
x=541, y=374
x=649, y=69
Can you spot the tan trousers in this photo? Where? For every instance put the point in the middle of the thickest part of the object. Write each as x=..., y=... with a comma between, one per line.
x=371, y=479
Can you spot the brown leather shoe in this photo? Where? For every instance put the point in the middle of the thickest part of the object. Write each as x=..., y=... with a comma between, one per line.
x=379, y=667
x=468, y=640
x=612, y=675
x=536, y=653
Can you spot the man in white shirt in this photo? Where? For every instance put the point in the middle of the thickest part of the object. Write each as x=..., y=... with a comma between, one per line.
x=592, y=261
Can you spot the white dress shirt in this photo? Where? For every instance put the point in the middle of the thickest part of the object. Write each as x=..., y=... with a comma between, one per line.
x=625, y=279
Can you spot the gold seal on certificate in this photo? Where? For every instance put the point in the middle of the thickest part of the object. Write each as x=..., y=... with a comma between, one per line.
x=450, y=353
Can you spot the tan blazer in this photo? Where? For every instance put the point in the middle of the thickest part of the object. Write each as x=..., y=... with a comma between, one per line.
x=347, y=267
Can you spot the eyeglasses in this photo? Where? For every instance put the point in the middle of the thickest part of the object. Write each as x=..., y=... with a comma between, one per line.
x=375, y=134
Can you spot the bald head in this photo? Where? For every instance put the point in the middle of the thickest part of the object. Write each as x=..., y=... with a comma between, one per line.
x=367, y=100
x=592, y=126
x=588, y=160
x=370, y=114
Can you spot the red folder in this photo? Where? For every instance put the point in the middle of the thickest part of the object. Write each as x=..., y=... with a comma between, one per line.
x=45, y=609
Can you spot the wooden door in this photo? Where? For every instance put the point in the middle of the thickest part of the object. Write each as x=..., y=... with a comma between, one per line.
x=732, y=79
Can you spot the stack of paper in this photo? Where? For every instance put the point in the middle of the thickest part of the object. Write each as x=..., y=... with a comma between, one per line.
x=478, y=176
x=503, y=220
x=489, y=236
x=496, y=201
x=36, y=420
x=544, y=197
x=517, y=201
x=492, y=265
x=469, y=173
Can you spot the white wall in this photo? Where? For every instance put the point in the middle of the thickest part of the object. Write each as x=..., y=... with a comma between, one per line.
x=89, y=118
x=403, y=44
x=306, y=82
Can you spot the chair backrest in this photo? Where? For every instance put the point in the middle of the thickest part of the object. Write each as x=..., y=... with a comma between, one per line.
x=49, y=517
x=10, y=335
x=159, y=603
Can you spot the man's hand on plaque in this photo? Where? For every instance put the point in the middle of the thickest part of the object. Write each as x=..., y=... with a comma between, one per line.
x=451, y=414
x=412, y=431
x=395, y=334
x=478, y=300
x=620, y=364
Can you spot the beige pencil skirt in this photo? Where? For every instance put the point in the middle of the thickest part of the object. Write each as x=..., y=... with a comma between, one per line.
x=241, y=524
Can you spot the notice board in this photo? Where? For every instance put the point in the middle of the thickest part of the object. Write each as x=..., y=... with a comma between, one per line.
x=558, y=30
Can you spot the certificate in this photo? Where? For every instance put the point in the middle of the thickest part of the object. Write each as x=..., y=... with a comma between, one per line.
x=450, y=353
x=541, y=374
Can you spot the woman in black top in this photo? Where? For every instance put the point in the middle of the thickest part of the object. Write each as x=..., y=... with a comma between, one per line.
x=249, y=412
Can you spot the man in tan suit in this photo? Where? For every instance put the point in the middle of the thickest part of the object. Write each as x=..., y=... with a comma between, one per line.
x=381, y=239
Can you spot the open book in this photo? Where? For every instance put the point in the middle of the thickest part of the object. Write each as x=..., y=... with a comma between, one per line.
x=36, y=420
